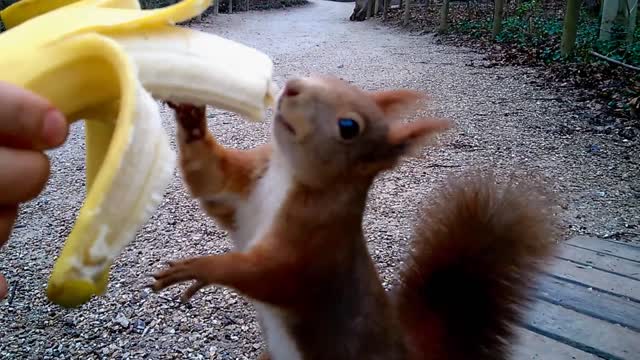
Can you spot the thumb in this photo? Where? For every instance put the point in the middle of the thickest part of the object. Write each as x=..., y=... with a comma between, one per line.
x=28, y=120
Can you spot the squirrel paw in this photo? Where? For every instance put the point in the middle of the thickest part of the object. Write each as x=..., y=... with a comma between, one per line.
x=184, y=270
x=192, y=118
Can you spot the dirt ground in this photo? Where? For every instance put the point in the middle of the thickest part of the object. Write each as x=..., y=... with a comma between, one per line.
x=503, y=122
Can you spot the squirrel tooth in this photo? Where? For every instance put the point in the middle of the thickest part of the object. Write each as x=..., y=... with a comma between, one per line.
x=100, y=60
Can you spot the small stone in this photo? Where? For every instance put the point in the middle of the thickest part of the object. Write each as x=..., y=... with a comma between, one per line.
x=628, y=133
x=139, y=325
x=69, y=322
x=122, y=320
x=594, y=148
x=212, y=351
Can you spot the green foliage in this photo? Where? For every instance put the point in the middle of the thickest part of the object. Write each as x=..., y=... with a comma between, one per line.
x=541, y=36
x=514, y=30
x=620, y=50
x=475, y=29
x=528, y=8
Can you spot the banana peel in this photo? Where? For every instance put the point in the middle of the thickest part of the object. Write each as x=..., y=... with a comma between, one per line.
x=106, y=62
x=24, y=10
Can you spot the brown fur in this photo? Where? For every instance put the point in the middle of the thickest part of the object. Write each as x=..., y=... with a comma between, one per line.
x=212, y=170
x=313, y=265
x=477, y=250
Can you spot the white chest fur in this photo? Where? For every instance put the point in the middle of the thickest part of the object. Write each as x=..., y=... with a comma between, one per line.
x=255, y=215
x=253, y=219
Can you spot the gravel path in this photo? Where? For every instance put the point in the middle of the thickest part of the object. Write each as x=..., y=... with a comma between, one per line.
x=503, y=122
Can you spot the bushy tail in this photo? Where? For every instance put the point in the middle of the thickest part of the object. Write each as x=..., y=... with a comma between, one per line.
x=477, y=250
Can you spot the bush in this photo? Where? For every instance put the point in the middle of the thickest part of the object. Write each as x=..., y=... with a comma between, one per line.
x=540, y=35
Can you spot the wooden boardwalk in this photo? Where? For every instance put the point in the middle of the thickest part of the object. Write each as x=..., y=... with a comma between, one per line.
x=588, y=304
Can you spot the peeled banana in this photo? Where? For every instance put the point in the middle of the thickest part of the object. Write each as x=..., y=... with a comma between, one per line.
x=106, y=61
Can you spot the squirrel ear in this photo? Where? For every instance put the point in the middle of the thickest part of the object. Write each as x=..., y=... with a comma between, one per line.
x=396, y=102
x=409, y=136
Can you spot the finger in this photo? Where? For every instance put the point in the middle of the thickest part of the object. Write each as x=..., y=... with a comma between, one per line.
x=192, y=290
x=28, y=120
x=170, y=279
x=8, y=216
x=171, y=263
x=166, y=272
x=24, y=174
x=160, y=285
x=173, y=275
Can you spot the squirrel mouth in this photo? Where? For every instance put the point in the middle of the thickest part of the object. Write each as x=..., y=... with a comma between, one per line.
x=286, y=125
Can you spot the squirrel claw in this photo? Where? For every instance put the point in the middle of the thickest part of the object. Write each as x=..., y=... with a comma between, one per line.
x=191, y=291
x=192, y=118
x=177, y=272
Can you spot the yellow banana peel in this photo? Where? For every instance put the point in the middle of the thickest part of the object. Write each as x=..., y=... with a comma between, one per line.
x=104, y=61
x=26, y=9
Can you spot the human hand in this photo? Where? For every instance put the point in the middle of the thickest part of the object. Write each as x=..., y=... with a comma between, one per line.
x=29, y=124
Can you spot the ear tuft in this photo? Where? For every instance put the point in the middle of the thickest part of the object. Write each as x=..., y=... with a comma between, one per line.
x=397, y=102
x=411, y=135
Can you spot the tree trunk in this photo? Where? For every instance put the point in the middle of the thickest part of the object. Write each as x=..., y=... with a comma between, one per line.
x=246, y=5
x=385, y=9
x=216, y=7
x=444, y=17
x=631, y=16
x=620, y=12
x=405, y=17
x=570, y=27
x=369, y=8
x=497, y=17
x=400, y=7
x=230, y=6
x=375, y=8
x=609, y=14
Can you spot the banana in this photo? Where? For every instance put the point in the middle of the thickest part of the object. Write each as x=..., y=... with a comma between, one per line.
x=26, y=9
x=210, y=60
x=107, y=62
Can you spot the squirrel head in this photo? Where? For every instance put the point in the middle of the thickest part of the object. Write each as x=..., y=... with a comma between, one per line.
x=330, y=131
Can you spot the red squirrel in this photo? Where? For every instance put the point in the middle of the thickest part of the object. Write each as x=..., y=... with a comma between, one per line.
x=294, y=209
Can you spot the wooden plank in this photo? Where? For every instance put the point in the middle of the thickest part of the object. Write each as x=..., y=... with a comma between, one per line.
x=532, y=346
x=600, y=260
x=611, y=247
x=583, y=332
x=596, y=278
x=610, y=308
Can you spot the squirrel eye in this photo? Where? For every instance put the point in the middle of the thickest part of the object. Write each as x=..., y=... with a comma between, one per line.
x=349, y=128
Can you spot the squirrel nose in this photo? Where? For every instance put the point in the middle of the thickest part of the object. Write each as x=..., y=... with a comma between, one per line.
x=292, y=89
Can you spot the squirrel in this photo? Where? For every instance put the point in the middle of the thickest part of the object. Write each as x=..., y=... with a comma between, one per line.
x=294, y=210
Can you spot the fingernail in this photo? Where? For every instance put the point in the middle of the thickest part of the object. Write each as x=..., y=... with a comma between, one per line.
x=54, y=129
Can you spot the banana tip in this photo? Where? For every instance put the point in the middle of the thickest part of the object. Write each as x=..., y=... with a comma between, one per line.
x=72, y=293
